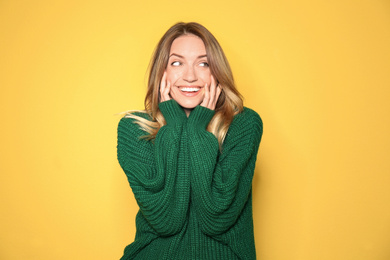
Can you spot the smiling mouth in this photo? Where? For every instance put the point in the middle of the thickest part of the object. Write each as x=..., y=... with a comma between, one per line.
x=189, y=89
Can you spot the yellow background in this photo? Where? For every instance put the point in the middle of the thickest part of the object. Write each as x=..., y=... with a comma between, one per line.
x=316, y=71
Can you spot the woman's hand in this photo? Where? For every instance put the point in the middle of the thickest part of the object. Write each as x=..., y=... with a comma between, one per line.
x=211, y=94
x=165, y=88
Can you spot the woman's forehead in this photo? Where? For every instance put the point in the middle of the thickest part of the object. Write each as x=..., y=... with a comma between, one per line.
x=188, y=45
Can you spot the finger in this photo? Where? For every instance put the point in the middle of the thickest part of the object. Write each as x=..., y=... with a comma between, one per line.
x=166, y=91
x=162, y=84
x=206, y=97
x=163, y=87
x=219, y=90
x=212, y=93
x=218, y=93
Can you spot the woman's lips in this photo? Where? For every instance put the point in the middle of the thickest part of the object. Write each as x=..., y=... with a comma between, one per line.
x=189, y=91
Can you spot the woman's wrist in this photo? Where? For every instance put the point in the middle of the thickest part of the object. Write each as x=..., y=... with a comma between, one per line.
x=172, y=112
x=200, y=117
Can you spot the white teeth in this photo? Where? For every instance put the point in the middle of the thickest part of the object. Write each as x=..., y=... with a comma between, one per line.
x=190, y=89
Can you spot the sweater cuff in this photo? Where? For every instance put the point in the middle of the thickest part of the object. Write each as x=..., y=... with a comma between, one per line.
x=200, y=117
x=172, y=112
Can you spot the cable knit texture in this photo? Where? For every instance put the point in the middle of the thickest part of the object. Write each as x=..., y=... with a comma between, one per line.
x=195, y=201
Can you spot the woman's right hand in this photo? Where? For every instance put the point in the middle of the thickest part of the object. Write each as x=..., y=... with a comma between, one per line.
x=165, y=88
x=211, y=94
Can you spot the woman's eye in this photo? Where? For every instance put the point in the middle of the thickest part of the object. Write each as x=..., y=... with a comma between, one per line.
x=175, y=63
x=204, y=64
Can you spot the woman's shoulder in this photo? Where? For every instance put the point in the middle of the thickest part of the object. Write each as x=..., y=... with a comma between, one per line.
x=137, y=113
x=248, y=117
x=247, y=126
x=130, y=121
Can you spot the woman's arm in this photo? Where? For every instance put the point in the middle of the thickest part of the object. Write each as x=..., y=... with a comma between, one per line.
x=159, y=183
x=221, y=183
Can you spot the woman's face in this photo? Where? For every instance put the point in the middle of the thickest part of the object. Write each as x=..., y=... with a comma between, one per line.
x=188, y=71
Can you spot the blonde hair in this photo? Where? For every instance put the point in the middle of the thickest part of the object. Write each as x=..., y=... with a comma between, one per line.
x=229, y=102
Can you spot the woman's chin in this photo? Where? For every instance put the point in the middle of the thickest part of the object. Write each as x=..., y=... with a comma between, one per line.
x=188, y=105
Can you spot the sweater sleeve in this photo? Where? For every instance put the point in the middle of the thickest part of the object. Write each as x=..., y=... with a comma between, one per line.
x=160, y=186
x=221, y=183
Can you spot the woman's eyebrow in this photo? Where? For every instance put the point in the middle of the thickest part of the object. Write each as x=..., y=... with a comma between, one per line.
x=174, y=54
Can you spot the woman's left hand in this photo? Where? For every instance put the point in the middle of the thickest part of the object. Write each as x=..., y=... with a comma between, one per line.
x=165, y=88
x=211, y=94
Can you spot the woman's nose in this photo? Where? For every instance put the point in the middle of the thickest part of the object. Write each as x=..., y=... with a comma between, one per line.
x=190, y=74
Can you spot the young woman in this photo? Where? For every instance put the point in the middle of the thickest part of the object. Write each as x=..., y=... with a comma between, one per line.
x=190, y=155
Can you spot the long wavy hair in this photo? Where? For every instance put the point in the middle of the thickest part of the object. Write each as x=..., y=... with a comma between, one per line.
x=229, y=102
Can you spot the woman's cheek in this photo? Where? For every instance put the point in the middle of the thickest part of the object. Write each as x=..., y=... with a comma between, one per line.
x=206, y=77
x=173, y=76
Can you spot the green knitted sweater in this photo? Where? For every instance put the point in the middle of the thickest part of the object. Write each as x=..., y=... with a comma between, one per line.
x=195, y=201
